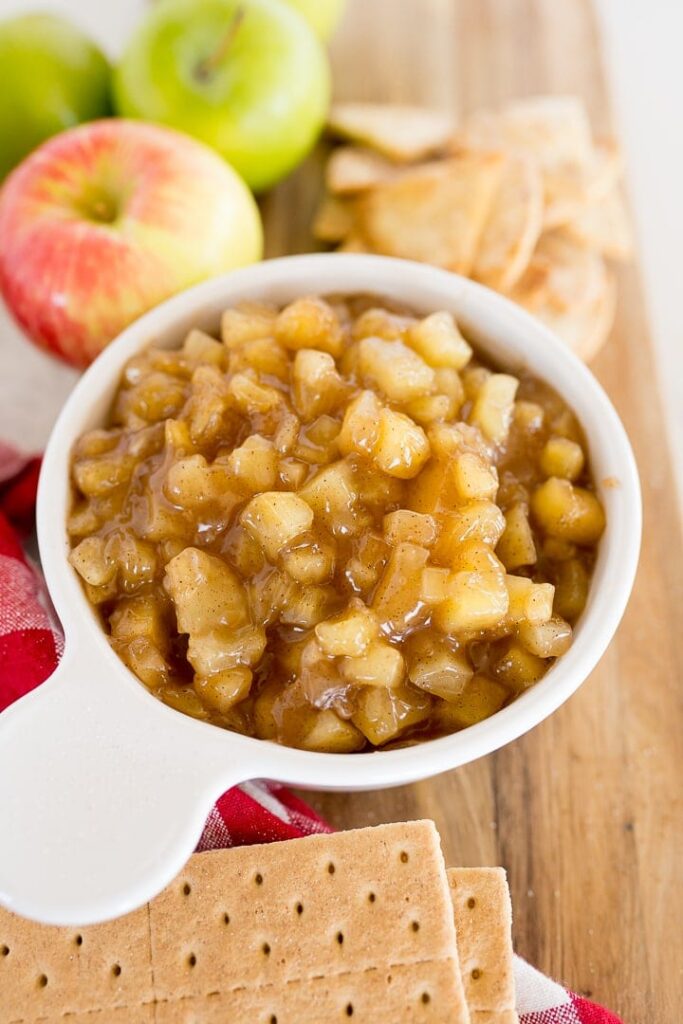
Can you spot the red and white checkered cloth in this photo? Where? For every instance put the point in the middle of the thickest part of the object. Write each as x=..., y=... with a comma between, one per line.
x=257, y=812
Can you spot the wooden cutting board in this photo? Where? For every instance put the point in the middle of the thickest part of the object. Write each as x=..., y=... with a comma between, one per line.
x=586, y=811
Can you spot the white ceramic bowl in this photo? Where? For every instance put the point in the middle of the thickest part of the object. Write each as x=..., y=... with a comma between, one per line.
x=103, y=789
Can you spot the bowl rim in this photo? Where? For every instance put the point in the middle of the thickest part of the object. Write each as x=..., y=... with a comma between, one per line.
x=487, y=315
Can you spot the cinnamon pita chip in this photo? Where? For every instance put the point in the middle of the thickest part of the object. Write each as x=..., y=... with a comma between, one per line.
x=333, y=220
x=352, y=169
x=604, y=226
x=568, y=288
x=353, y=243
x=570, y=189
x=402, y=133
x=513, y=225
x=434, y=213
x=556, y=131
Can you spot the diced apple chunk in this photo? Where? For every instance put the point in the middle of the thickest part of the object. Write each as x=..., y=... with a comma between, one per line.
x=262, y=356
x=223, y=690
x=316, y=385
x=90, y=561
x=401, y=448
x=517, y=667
x=516, y=547
x=434, y=584
x=359, y=429
x=494, y=405
x=310, y=323
x=477, y=601
x=434, y=487
x=571, y=589
x=205, y=591
x=140, y=617
x=191, y=483
x=308, y=606
x=223, y=647
x=310, y=561
x=202, y=348
x=474, y=479
x=380, y=323
x=348, y=634
x=394, y=368
x=275, y=518
x=331, y=734
x=254, y=464
x=475, y=556
x=411, y=527
x=480, y=699
x=292, y=473
x=478, y=520
x=209, y=405
x=431, y=409
x=397, y=601
x=568, y=512
x=383, y=714
x=439, y=342
x=287, y=433
x=441, y=671
x=546, y=639
x=529, y=601
x=246, y=324
x=562, y=458
x=379, y=665
x=250, y=396
x=332, y=495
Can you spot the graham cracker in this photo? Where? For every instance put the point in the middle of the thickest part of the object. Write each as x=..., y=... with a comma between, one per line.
x=326, y=905
x=293, y=931
x=483, y=922
x=47, y=971
x=421, y=994
x=494, y=1017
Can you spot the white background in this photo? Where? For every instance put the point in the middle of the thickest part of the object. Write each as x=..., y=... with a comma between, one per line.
x=643, y=46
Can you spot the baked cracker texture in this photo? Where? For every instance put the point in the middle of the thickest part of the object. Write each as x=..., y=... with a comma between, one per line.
x=286, y=932
x=483, y=922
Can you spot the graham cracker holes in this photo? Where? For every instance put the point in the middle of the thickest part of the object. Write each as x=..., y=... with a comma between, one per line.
x=331, y=868
x=226, y=918
x=258, y=878
x=403, y=857
x=425, y=998
x=476, y=974
x=415, y=926
x=191, y=960
x=299, y=909
x=4, y=950
x=42, y=981
x=471, y=903
x=272, y=1019
x=187, y=889
x=371, y=897
x=340, y=938
x=78, y=940
x=116, y=970
x=266, y=949
x=349, y=1009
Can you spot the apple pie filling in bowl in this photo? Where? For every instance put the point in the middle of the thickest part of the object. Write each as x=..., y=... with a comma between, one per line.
x=336, y=527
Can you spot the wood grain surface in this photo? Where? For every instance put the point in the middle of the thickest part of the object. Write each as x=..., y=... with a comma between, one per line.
x=585, y=812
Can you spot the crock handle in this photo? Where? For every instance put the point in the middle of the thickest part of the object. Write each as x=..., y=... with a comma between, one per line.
x=103, y=793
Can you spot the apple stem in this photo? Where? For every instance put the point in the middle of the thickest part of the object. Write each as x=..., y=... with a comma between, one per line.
x=206, y=67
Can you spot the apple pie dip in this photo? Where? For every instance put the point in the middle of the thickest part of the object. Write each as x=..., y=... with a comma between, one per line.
x=335, y=527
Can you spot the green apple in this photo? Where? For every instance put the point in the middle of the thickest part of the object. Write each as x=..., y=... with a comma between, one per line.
x=51, y=77
x=323, y=15
x=248, y=77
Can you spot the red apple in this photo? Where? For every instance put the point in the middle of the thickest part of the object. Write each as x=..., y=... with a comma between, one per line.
x=108, y=219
